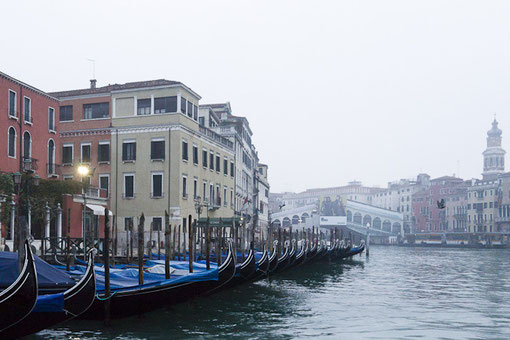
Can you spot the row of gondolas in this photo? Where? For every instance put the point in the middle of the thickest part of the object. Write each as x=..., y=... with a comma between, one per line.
x=43, y=295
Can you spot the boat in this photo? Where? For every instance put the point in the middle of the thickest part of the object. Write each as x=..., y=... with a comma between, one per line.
x=311, y=253
x=18, y=300
x=244, y=271
x=301, y=257
x=262, y=267
x=138, y=299
x=52, y=309
x=353, y=251
x=273, y=259
x=283, y=261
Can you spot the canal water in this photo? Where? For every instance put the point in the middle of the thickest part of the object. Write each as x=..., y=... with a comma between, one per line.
x=397, y=293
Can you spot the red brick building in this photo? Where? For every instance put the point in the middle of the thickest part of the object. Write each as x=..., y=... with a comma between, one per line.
x=30, y=128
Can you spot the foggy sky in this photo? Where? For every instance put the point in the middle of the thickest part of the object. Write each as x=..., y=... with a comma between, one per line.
x=333, y=90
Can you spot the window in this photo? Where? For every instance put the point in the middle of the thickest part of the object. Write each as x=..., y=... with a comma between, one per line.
x=204, y=158
x=51, y=157
x=143, y=107
x=225, y=166
x=157, y=184
x=128, y=223
x=157, y=223
x=231, y=198
x=27, y=145
x=104, y=184
x=218, y=163
x=184, y=105
x=85, y=153
x=266, y=193
x=27, y=110
x=12, y=104
x=157, y=149
x=225, y=196
x=211, y=161
x=11, y=148
x=103, y=152
x=190, y=109
x=129, y=151
x=195, y=112
x=51, y=119
x=195, y=154
x=165, y=104
x=185, y=150
x=201, y=121
x=129, y=185
x=204, y=191
x=232, y=169
x=96, y=111
x=211, y=193
x=66, y=113
x=68, y=177
x=67, y=154
x=195, y=188
x=184, y=187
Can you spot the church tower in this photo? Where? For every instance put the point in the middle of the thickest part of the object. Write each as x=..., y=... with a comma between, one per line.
x=494, y=155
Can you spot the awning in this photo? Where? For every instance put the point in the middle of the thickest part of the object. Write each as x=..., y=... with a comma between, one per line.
x=98, y=209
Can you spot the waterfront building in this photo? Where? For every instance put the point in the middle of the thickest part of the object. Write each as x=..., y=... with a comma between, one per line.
x=494, y=155
x=30, y=129
x=262, y=195
x=503, y=219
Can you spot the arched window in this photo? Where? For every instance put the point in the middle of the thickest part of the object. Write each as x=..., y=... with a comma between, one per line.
x=27, y=145
x=12, y=142
x=51, y=157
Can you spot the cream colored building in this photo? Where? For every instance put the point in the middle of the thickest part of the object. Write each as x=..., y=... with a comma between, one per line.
x=163, y=160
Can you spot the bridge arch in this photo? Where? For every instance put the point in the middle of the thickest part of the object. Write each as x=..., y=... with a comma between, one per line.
x=386, y=226
x=349, y=216
x=304, y=217
x=295, y=219
x=376, y=223
x=277, y=223
x=396, y=228
x=286, y=222
x=367, y=219
x=356, y=218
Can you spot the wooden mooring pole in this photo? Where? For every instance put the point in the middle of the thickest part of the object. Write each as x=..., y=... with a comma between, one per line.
x=190, y=245
x=106, y=260
x=167, y=245
x=207, y=244
x=140, y=249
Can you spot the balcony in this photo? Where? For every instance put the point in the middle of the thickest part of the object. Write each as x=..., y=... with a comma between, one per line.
x=503, y=219
x=216, y=137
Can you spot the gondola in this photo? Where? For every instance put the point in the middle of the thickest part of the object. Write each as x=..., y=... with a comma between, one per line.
x=144, y=298
x=244, y=271
x=311, y=253
x=283, y=261
x=273, y=260
x=301, y=257
x=55, y=308
x=262, y=267
x=353, y=251
x=17, y=300
x=292, y=254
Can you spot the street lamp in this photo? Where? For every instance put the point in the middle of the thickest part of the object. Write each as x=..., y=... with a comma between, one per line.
x=83, y=171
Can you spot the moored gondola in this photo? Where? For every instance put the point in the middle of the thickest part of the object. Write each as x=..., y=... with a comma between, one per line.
x=273, y=259
x=144, y=298
x=17, y=300
x=353, y=251
x=301, y=257
x=311, y=253
x=262, y=267
x=283, y=261
x=52, y=309
x=244, y=271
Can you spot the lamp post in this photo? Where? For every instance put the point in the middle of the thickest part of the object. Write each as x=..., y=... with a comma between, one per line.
x=83, y=171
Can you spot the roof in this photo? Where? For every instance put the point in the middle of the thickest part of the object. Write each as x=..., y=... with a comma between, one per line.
x=25, y=85
x=115, y=87
x=447, y=178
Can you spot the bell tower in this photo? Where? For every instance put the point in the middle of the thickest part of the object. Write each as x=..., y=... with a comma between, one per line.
x=494, y=155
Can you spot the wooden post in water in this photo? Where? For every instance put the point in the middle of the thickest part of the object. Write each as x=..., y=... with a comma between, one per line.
x=190, y=246
x=106, y=260
x=179, y=243
x=236, y=238
x=140, y=248
x=207, y=244
x=167, y=245
x=159, y=241
x=149, y=248
x=68, y=238
x=173, y=241
x=279, y=241
x=219, y=243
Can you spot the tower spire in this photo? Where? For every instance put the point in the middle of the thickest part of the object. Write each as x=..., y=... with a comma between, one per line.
x=494, y=155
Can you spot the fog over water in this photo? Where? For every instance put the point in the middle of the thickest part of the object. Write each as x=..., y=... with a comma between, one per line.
x=333, y=90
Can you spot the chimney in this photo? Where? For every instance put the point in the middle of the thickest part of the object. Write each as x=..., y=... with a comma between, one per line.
x=93, y=83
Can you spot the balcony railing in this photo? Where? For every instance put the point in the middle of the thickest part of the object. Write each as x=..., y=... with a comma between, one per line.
x=213, y=135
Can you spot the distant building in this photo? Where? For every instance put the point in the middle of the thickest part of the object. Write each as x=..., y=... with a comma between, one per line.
x=494, y=155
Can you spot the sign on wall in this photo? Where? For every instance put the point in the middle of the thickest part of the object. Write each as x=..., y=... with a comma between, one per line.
x=333, y=220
